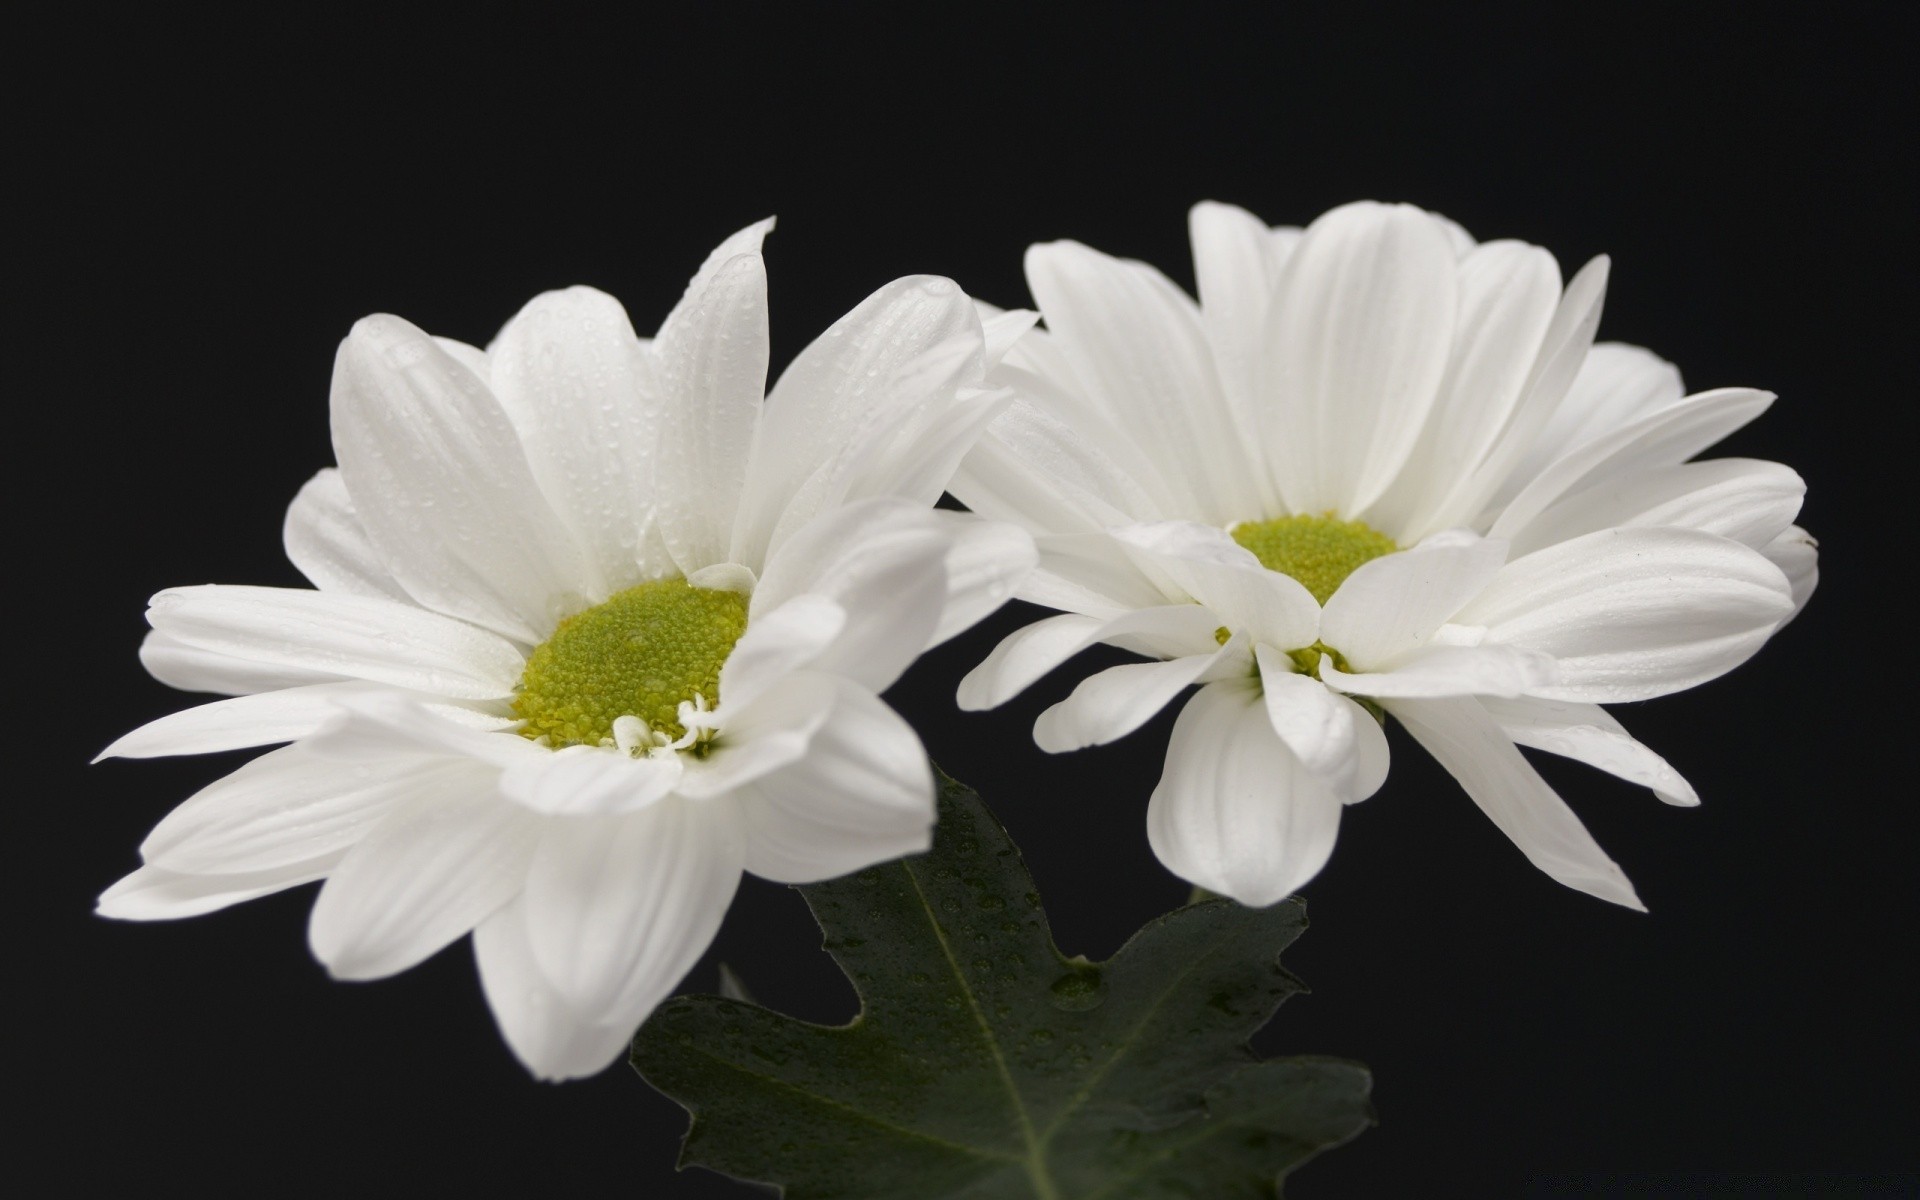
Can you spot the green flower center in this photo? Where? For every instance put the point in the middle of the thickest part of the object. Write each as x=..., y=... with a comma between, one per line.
x=1319, y=551
x=640, y=654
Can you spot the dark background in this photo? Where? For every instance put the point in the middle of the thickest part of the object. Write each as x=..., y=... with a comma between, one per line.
x=214, y=201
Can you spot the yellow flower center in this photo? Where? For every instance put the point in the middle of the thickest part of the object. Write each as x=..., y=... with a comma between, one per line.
x=1319, y=551
x=639, y=654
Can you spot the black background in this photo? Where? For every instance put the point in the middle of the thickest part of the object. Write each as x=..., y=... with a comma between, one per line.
x=215, y=200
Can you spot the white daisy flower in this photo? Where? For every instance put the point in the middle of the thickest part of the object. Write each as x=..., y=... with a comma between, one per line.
x=595, y=631
x=1379, y=470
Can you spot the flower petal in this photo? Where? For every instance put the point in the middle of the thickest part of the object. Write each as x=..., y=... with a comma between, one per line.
x=1210, y=566
x=1465, y=740
x=1509, y=293
x=862, y=794
x=1026, y=654
x=986, y=564
x=581, y=781
x=1035, y=468
x=324, y=538
x=1357, y=349
x=1136, y=344
x=257, y=720
x=1740, y=498
x=883, y=562
x=442, y=486
x=568, y=369
x=774, y=729
x=864, y=372
x=1110, y=704
x=777, y=643
x=552, y=1038
x=156, y=894
x=332, y=634
x=1634, y=613
x=1616, y=385
x=1236, y=265
x=194, y=669
x=1389, y=607
x=1096, y=576
x=711, y=358
x=1322, y=728
x=293, y=806
x=1486, y=670
x=1563, y=349
x=431, y=870
x=1589, y=734
x=1661, y=438
x=1235, y=812
x=618, y=908
x=1797, y=554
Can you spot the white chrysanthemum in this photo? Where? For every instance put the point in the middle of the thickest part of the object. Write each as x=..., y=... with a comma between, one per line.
x=1379, y=416
x=596, y=630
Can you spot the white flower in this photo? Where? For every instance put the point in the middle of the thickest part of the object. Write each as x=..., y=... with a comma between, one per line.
x=595, y=630
x=1380, y=416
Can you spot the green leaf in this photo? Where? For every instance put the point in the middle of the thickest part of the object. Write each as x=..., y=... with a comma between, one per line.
x=984, y=1064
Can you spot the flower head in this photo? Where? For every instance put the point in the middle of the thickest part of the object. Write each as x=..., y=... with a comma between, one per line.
x=594, y=629
x=1379, y=470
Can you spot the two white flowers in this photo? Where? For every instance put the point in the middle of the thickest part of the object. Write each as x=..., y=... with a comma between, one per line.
x=600, y=622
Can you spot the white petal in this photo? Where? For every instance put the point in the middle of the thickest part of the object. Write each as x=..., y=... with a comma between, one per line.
x=1563, y=349
x=1136, y=343
x=554, y=1039
x=1739, y=498
x=777, y=643
x=1616, y=385
x=194, y=669
x=1096, y=576
x=1509, y=292
x=863, y=794
x=589, y=781
x=618, y=908
x=1489, y=670
x=294, y=806
x=1273, y=609
x=1661, y=438
x=1465, y=740
x=1110, y=704
x=324, y=538
x=1236, y=265
x=442, y=485
x=431, y=870
x=1000, y=330
x=380, y=724
x=865, y=372
x=1235, y=812
x=333, y=634
x=258, y=720
x=711, y=356
x=1358, y=345
x=1389, y=607
x=568, y=369
x=883, y=562
x=1797, y=554
x=154, y=894
x=1589, y=734
x=766, y=734
x=917, y=459
x=986, y=564
x=1322, y=728
x=1026, y=654
x=1036, y=468
x=1634, y=613
x=1371, y=756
